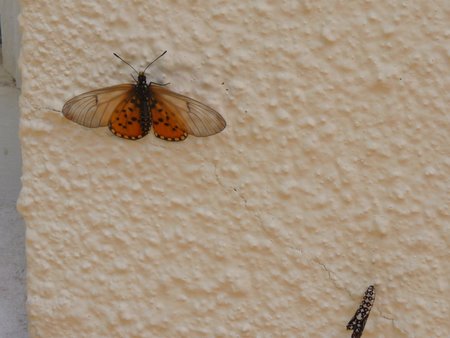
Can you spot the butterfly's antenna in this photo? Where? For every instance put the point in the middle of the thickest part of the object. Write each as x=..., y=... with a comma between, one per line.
x=155, y=60
x=117, y=56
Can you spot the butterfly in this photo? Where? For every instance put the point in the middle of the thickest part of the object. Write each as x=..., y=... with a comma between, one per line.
x=131, y=109
x=358, y=322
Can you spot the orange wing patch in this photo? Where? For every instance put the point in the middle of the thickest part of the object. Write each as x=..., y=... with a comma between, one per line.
x=126, y=120
x=166, y=126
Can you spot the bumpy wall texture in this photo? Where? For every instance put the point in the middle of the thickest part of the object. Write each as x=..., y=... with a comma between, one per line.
x=332, y=174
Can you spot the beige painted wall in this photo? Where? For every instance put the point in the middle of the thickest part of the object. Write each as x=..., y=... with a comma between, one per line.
x=332, y=174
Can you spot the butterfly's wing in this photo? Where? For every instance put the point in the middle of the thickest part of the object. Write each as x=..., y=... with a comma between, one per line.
x=175, y=116
x=94, y=109
x=166, y=124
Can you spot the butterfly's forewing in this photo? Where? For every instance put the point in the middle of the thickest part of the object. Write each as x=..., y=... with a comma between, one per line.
x=94, y=109
x=126, y=118
x=191, y=116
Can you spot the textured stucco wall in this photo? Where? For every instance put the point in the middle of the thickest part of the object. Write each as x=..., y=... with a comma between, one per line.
x=332, y=174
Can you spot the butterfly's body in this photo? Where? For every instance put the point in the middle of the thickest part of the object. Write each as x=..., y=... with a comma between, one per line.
x=130, y=110
x=145, y=102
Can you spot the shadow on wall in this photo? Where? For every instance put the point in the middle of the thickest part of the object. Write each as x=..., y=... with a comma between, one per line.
x=10, y=37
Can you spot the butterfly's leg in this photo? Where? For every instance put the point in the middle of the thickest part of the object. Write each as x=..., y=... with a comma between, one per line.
x=160, y=84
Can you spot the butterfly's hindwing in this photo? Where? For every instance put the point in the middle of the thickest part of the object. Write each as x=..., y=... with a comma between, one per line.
x=128, y=119
x=166, y=126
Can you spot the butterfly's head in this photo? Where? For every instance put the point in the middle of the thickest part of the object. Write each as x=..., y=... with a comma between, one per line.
x=141, y=77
